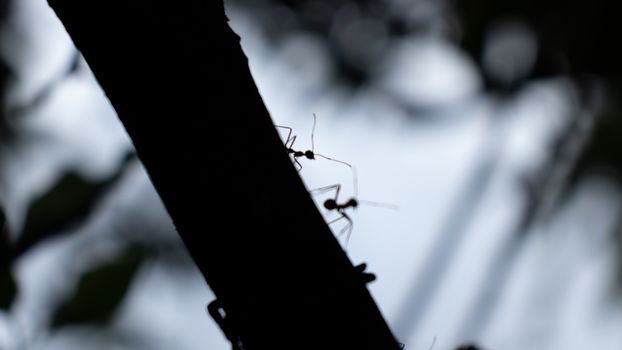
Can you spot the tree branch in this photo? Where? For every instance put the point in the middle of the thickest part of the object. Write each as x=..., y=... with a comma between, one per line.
x=179, y=81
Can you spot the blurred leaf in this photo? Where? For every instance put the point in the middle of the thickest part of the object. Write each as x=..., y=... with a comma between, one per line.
x=5, y=75
x=5, y=248
x=43, y=95
x=67, y=203
x=8, y=287
x=602, y=151
x=100, y=292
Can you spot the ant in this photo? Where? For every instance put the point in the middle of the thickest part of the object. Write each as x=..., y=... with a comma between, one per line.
x=334, y=204
x=309, y=154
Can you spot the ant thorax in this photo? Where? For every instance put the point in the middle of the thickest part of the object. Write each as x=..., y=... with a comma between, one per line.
x=332, y=204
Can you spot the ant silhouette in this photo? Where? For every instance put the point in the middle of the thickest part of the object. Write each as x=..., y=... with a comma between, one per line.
x=334, y=204
x=309, y=154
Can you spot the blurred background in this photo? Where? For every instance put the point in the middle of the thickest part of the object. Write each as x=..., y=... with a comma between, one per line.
x=493, y=126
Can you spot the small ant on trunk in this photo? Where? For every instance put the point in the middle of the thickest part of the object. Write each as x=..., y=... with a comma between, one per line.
x=334, y=204
x=309, y=154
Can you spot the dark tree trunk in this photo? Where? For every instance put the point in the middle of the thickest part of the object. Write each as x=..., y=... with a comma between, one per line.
x=179, y=81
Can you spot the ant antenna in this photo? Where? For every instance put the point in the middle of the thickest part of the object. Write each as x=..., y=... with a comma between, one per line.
x=379, y=204
x=355, y=182
x=309, y=154
x=334, y=160
x=313, y=145
x=313, y=133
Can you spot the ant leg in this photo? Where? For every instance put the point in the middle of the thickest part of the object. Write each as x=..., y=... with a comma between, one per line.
x=341, y=217
x=296, y=162
x=291, y=144
x=336, y=187
x=289, y=132
x=348, y=228
x=335, y=220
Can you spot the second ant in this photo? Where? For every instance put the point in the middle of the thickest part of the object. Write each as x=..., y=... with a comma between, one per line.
x=340, y=207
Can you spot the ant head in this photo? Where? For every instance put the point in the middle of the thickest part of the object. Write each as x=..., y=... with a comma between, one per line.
x=352, y=203
x=310, y=155
x=330, y=204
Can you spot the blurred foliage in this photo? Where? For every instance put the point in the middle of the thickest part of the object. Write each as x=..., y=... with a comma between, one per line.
x=8, y=287
x=67, y=204
x=570, y=37
x=357, y=33
x=5, y=249
x=100, y=291
x=527, y=40
x=63, y=208
x=602, y=152
x=576, y=37
x=5, y=75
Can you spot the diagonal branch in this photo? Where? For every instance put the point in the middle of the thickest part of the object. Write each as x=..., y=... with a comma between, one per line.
x=179, y=81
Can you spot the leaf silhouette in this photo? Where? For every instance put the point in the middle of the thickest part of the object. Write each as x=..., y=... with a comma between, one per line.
x=100, y=291
x=67, y=204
